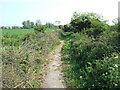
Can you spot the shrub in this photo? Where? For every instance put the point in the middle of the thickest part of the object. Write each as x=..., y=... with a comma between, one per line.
x=40, y=28
x=111, y=38
x=92, y=62
x=105, y=73
x=67, y=28
x=89, y=23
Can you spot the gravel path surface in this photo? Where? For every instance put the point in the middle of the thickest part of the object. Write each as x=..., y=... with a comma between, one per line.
x=54, y=77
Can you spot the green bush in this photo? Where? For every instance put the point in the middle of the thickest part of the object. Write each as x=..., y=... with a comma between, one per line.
x=102, y=73
x=88, y=53
x=68, y=28
x=88, y=23
x=112, y=38
x=40, y=28
x=93, y=62
x=84, y=47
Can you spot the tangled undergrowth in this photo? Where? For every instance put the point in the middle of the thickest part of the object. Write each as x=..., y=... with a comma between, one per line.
x=23, y=56
x=90, y=62
x=91, y=56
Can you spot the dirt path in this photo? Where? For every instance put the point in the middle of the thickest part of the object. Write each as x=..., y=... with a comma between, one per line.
x=54, y=78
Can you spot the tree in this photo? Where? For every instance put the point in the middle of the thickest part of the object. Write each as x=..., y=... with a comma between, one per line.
x=68, y=28
x=32, y=24
x=61, y=26
x=27, y=24
x=80, y=22
x=3, y=27
x=38, y=22
x=49, y=25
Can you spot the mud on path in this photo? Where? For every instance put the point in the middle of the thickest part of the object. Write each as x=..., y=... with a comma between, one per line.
x=54, y=77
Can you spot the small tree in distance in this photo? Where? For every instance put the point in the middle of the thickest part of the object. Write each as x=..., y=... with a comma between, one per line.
x=27, y=24
x=38, y=22
x=49, y=25
x=57, y=23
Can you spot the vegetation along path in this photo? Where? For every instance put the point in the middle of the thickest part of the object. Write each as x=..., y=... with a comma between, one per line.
x=54, y=77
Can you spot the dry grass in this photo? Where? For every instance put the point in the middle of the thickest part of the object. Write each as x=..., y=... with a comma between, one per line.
x=22, y=63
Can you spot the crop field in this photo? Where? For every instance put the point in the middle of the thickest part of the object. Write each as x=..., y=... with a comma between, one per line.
x=17, y=31
x=22, y=31
x=49, y=30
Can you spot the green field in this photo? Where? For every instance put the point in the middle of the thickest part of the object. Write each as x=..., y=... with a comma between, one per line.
x=22, y=31
x=16, y=31
x=49, y=30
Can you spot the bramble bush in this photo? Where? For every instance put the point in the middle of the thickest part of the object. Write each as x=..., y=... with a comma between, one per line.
x=91, y=55
x=89, y=60
x=40, y=28
x=89, y=23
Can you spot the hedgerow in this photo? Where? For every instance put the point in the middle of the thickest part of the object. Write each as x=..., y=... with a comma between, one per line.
x=91, y=60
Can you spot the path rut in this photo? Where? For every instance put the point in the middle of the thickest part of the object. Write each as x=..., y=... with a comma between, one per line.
x=54, y=77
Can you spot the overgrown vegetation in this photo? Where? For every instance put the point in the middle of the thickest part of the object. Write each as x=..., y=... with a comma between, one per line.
x=91, y=53
x=40, y=28
x=17, y=31
x=23, y=57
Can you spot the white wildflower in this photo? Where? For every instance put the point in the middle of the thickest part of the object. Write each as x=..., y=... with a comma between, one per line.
x=80, y=76
x=103, y=74
x=116, y=65
x=116, y=57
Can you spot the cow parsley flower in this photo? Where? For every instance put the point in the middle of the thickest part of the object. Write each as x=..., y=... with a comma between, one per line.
x=115, y=65
x=80, y=76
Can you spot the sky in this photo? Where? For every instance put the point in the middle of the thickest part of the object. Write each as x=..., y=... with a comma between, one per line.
x=14, y=12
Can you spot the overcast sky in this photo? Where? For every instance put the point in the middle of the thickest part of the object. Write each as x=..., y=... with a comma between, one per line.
x=14, y=12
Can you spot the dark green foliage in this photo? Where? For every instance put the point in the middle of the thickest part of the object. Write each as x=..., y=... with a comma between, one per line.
x=61, y=26
x=89, y=23
x=68, y=28
x=10, y=27
x=104, y=74
x=111, y=38
x=27, y=24
x=40, y=28
x=14, y=27
x=100, y=74
x=96, y=28
x=80, y=21
x=91, y=55
x=3, y=27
